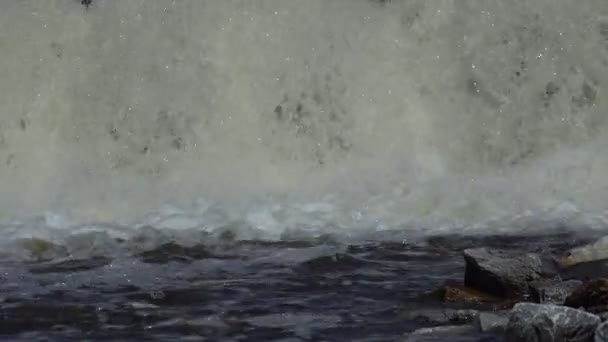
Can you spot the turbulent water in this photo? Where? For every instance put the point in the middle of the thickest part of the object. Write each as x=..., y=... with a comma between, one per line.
x=128, y=125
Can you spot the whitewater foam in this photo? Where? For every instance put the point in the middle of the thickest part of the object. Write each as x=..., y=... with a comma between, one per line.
x=289, y=118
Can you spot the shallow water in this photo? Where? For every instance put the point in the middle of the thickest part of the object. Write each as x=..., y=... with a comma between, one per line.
x=315, y=290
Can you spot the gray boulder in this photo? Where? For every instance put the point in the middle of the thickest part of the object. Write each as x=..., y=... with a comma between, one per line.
x=547, y=322
x=505, y=273
x=601, y=333
x=552, y=291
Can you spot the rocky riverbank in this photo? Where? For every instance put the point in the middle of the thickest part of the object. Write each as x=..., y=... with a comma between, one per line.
x=525, y=296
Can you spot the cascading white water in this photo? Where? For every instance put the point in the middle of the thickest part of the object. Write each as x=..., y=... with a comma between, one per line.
x=288, y=114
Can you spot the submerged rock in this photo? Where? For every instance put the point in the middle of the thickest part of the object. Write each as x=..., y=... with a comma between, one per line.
x=440, y=316
x=552, y=291
x=465, y=295
x=592, y=296
x=505, y=273
x=548, y=322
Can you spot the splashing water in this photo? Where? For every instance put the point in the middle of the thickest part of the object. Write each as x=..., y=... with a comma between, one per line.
x=282, y=118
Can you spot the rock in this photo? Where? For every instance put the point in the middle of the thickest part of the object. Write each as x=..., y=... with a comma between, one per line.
x=440, y=316
x=505, y=273
x=465, y=295
x=443, y=333
x=586, y=271
x=493, y=322
x=592, y=296
x=548, y=322
x=461, y=316
x=601, y=333
x=551, y=291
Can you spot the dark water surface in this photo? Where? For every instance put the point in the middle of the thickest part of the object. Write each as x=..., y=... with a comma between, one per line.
x=243, y=291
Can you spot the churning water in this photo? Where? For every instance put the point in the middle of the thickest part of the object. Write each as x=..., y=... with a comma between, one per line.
x=131, y=124
x=302, y=114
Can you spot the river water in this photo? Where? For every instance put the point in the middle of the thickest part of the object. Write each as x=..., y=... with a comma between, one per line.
x=271, y=169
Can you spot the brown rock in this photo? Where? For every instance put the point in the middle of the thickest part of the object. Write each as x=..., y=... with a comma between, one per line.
x=461, y=294
x=465, y=295
x=592, y=296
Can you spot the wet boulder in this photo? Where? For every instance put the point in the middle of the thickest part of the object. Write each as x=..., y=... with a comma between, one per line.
x=601, y=333
x=552, y=291
x=548, y=322
x=592, y=296
x=505, y=273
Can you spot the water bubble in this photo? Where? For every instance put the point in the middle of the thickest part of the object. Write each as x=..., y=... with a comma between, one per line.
x=157, y=294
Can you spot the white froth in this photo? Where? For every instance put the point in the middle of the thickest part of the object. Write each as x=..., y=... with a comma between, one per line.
x=285, y=116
